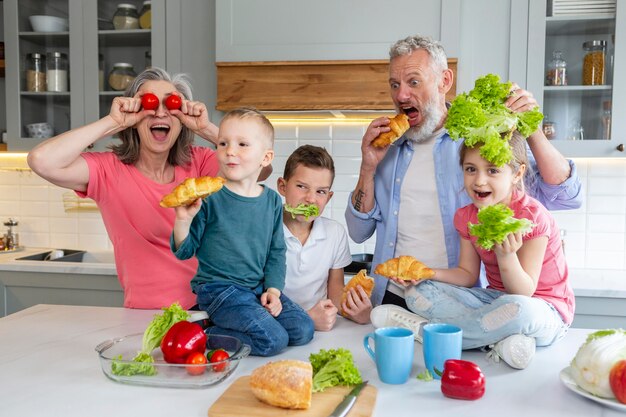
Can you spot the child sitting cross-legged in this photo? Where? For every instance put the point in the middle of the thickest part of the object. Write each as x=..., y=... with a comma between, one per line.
x=237, y=236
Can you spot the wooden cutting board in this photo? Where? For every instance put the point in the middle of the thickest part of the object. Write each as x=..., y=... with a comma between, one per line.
x=238, y=401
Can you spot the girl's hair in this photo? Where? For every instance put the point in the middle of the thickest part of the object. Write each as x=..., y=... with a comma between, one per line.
x=252, y=113
x=520, y=156
x=311, y=157
x=128, y=150
x=406, y=46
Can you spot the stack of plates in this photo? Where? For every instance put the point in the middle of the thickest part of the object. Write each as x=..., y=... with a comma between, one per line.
x=582, y=7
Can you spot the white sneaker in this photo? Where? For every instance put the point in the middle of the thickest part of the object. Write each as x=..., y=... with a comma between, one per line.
x=516, y=351
x=389, y=315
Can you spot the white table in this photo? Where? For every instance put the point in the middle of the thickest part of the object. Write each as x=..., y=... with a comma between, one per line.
x=48, y=367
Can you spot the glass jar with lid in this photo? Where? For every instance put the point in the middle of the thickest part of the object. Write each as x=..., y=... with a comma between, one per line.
x=126, y=17
x=56, y=72
x=145, y=15
x=121, y=76
x=594, y=62
x=35, y=72
x=557, y=70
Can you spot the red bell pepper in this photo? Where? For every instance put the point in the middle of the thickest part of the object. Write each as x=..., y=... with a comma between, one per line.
x=462, y=380
x=181, y=340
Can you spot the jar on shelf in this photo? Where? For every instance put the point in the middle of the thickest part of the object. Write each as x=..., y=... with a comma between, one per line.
x=557, y=70
x=126, y=17
x=35, y=72
x=606, y=120
x=56, y=73
x=549, y=129
x=594, y=62
x=145, y=15
x=121, y=76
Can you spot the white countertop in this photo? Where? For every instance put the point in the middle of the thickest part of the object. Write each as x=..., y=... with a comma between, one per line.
x=102, y=263
x=48, y=367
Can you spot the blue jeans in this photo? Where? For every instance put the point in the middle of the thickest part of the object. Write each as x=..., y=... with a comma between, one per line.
x=486, y=315
x=237, y=311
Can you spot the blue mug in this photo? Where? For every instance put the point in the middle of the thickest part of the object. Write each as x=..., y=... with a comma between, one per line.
x=392, y=353
x=441, y=342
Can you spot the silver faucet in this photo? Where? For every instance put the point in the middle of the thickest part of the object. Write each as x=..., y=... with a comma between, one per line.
x=11, y=238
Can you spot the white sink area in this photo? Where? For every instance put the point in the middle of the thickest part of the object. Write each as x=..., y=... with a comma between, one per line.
x=92, y=262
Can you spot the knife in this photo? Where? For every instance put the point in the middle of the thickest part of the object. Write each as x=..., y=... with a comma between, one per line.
x=346, y=404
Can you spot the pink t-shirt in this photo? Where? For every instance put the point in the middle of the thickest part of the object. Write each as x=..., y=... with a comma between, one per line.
x=140, y=229
x=553, y=285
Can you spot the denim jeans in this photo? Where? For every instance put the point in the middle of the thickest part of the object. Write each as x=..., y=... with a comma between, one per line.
x=237, y=311
x=486, y=315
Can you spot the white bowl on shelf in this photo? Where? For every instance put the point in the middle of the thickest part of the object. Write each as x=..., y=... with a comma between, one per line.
x=39, y=130
x=41, y=23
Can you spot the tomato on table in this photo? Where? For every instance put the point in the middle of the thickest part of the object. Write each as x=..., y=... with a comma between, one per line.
x=149, y=101
x=218, y=355
x=196, y=358
x=173, y=102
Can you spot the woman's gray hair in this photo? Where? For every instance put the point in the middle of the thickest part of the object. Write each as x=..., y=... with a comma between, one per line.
x=128, y=150
x=406, y=46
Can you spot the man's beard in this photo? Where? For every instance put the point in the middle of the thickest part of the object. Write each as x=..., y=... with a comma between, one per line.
x=432, y=115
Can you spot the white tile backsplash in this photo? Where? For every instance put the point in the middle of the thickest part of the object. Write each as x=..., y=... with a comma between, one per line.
x=595, y=233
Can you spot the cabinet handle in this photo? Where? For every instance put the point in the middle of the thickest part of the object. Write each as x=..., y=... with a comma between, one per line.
x=620, y=147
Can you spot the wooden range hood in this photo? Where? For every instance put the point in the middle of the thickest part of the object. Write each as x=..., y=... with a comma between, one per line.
x=308, y=85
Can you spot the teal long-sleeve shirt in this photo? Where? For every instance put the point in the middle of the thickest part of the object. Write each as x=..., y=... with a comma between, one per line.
x=237, y=240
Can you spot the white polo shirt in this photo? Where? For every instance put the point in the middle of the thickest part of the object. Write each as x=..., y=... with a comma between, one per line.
x=308, y=265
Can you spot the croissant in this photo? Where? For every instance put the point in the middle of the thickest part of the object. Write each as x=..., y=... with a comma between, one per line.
x=285, y=383
x=192, y=189
x=359, y=279
x=398, y=124
x=404, y=267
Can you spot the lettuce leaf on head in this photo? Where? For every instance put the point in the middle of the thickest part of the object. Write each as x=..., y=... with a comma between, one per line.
x=495, y=223
x=333, y=367
x=307, y=210
x=480, y=117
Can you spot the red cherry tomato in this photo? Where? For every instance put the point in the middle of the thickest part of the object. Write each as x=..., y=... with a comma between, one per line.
x=196, y=358
x=173, y=102
x=218, y=355
x=149, y=101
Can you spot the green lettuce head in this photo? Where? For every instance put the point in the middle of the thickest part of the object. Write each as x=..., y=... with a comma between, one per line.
x=482, y=119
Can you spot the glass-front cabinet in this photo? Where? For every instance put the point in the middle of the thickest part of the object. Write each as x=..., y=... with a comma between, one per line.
x=68, y=59
x=575, y=65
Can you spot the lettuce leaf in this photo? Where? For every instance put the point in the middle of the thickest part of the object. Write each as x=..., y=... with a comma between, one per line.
x=307, y=210
x=480, y=117
x=333, y=367
x=141, y=367
x=495, y=223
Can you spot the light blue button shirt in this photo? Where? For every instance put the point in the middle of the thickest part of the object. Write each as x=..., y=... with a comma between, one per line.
x=449, y=178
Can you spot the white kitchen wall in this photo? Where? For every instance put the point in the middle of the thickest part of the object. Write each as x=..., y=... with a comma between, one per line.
x=595, y=233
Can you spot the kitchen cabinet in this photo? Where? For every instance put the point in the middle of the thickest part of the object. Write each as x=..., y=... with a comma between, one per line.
x=585, y=117
x=90, y=35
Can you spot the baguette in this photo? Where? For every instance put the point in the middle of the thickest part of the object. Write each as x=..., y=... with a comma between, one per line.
x=398, y=124
x=285, y=384
x=367, y=283
x=404, y=267
x=192, y=189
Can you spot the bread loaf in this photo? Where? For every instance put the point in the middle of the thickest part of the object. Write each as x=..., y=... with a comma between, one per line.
x=192, y=189
x=359, y=279
x=285, y=384
x=398, y=124
x=404, y=267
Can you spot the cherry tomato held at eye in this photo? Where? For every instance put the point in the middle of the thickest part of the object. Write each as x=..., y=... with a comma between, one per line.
x=196, y=359
x=149, y=101
x=218, y=355
x=173, y=102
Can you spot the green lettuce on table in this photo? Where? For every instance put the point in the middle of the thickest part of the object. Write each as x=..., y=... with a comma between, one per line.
x=495, y=223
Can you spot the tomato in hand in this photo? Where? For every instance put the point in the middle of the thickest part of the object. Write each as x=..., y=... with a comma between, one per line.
x=173, y=102
x=617, y=380
x=196, y=358
x=149, y=101
x=218, y=355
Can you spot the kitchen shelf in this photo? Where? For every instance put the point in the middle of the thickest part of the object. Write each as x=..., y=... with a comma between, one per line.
x=125, y=38
x=52, y=39
x=580, y=25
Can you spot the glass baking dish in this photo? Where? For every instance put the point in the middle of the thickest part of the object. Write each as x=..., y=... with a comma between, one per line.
x=169, y=374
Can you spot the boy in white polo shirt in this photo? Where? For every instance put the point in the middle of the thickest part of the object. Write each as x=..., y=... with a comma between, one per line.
x=317, y=247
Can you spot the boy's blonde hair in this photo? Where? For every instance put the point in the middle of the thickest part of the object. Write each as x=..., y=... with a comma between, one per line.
x=520, y=155
x=311, y=157
x=252, y=113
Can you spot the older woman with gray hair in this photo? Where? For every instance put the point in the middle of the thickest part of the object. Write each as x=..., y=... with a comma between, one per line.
x=155, y=154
